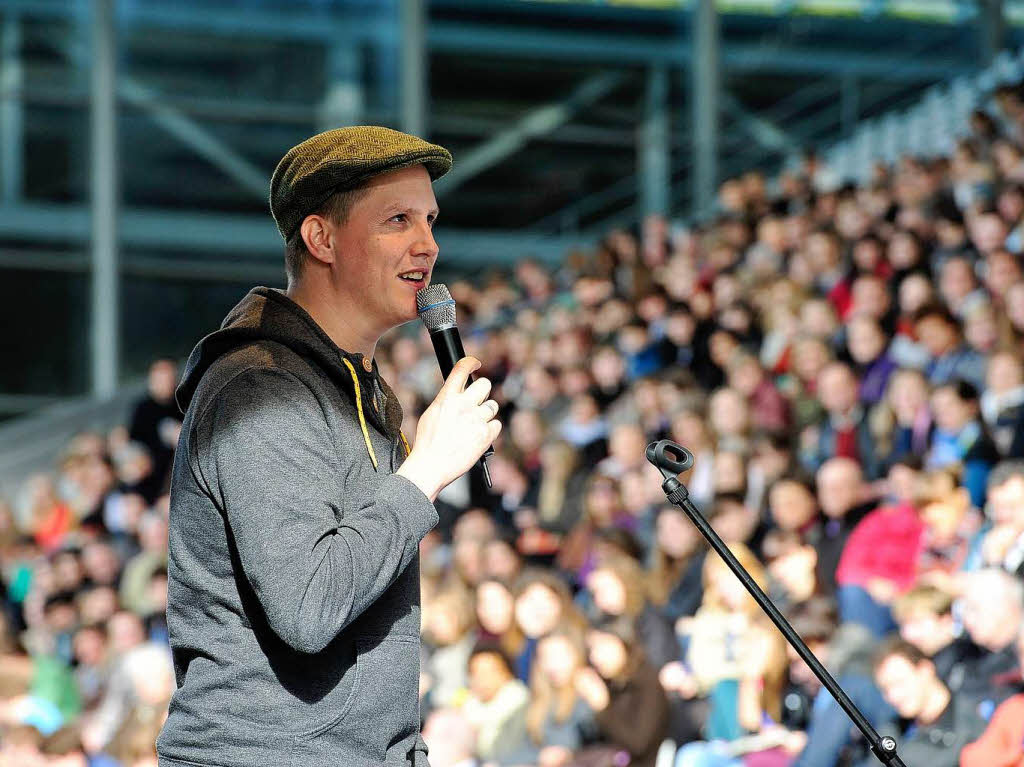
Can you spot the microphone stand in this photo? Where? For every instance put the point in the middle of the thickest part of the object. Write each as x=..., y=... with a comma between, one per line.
x=660, y=454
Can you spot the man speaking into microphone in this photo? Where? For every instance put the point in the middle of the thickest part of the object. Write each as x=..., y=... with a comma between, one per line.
x=297, y=505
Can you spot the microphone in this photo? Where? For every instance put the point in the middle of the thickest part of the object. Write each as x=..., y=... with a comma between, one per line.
x=436, y=308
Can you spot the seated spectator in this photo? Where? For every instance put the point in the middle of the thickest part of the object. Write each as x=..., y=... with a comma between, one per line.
x=793, y=506
x=992, y=608
x=867, y=343
x=951, y=358
x=1002, y=403
x=769, y=410
x=844, y=432
x=879, y=560
x=558, y=721
x=623, y=691
x=845, y=651
x=1002, y=542
x=677, y=561
x=496, y=707
x=450, y=738
x=495, y=617
x=603, y=509
x=156, y=422
x=950, y=526
x=960, y=437
x=1002, y=743
x=942, y=722
x=542, y=602
x=722, y=640
x=903, y=423
x=844, y=500
x=924, y=617
x=450, y=631
x=617, y=588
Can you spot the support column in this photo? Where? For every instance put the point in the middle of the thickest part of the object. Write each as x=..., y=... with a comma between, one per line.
x=12, y=145
x=413, y=92
x=653, y=150
x=849, y=104
x=105, y=331
x=992, y=29
x=705, y=91
x=344, y=101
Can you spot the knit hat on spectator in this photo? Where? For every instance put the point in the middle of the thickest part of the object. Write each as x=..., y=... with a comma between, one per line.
x=342, y=159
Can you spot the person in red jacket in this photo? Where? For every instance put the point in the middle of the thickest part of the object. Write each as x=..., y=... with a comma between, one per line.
x=1002, y=743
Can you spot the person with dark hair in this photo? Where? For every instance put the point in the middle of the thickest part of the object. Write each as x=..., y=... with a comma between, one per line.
x=843, y=649
x=941, y=723
x=156, y=423
x=951, y=358
x=960, y=437
x=497, y=702
x=298, y=505
x=622, y=689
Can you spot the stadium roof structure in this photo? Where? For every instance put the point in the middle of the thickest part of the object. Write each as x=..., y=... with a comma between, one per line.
x=137, y=137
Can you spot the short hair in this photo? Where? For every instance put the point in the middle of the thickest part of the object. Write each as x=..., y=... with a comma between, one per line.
x=898, y=647
x=965, y=391
x=491, y=647
x=815, y=619
x=935, y=601
x=937, y=311
x=335, y=208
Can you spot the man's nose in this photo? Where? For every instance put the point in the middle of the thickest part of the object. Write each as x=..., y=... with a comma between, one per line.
x=426, y=244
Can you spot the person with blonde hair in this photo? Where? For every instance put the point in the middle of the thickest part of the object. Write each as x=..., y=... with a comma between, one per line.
x=558, y=720
x=733, y=655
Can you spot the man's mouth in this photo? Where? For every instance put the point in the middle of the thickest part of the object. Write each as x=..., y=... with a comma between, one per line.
x=416, y=279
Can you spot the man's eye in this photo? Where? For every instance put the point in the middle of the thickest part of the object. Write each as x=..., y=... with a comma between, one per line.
x=399, y=215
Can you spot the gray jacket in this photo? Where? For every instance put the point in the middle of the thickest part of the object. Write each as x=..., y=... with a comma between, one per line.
x=293, y=573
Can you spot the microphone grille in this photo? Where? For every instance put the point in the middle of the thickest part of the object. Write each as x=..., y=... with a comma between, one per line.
x=436, y=306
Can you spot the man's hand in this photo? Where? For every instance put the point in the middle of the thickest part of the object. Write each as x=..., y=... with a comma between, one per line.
x=453, y=432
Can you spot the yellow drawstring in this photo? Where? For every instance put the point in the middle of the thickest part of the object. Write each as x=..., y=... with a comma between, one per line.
x=362, y=420
x=405, y=443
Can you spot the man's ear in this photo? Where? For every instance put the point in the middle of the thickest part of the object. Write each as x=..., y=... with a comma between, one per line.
x=318, y=235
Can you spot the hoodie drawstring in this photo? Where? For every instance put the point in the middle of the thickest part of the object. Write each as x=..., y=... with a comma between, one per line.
x=362, y=419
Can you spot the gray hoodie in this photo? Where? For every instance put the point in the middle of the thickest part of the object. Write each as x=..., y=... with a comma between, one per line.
x=293, y=571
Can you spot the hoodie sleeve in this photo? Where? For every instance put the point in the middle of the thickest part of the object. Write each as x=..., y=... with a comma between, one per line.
x=279, y=480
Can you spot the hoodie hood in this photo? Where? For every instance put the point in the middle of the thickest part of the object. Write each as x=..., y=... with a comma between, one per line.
x=267, y=314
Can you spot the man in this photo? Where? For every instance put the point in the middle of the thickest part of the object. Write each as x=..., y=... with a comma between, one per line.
x=942, y=722
x=297, y=507
x=843, y=499
x=155, y=423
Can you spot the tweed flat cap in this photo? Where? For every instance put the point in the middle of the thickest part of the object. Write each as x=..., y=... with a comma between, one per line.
x=342, y=159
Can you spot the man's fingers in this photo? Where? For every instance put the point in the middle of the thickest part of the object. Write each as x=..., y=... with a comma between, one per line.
x=460, y=374
x=490, y=409
x=477, y=391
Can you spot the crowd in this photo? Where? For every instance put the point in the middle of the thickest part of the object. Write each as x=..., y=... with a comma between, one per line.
x=844, y=362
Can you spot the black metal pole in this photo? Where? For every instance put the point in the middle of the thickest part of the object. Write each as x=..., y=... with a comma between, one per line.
x=670, y=468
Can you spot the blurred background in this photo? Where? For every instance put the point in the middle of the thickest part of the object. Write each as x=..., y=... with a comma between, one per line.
x=786, y=233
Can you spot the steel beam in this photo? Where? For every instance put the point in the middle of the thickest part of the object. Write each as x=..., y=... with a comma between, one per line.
x=764, y=132
x=105, y=294
x=536, y=122
x=251, y=236
x=507, y=40
x=653, y=153
x=992, y=28
x=413, y=53
x=706, y=85
x=12, y=145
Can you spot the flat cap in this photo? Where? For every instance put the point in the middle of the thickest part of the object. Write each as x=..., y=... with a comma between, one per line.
x=342, y=159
